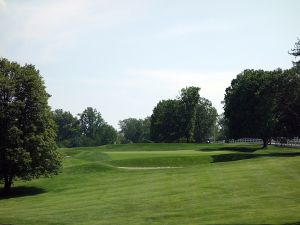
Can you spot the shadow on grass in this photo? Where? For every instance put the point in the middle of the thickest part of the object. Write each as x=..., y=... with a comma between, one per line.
x=235, y=148
x=238, y=156
x=21, y=192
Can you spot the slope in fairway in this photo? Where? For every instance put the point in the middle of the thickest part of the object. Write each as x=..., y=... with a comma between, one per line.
x=217, y=184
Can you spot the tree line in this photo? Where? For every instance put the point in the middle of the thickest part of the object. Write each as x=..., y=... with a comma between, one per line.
x=89, y=129
x=189, y=118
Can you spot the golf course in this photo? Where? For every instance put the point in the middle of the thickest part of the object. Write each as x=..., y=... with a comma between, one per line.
x=139, y=184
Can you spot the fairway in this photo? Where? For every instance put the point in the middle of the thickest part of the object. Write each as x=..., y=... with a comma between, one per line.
x=184, y=184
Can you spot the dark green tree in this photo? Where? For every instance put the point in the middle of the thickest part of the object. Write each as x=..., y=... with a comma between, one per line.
x=108, y=134
x=166, y=121
x=250, y=105
x=132, y=129
x=68, y=130
x=189, y=98
x=205, y=121
x=95, y=131
x=286, y=90
x=27, y=130
x=90, y=121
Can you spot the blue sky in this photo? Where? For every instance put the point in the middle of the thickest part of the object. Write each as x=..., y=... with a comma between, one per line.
x=123, y=56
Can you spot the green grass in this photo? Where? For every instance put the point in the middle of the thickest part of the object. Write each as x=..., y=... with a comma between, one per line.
x=217, y=184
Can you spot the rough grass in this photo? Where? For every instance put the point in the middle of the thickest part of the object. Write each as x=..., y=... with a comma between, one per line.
x=218, y=184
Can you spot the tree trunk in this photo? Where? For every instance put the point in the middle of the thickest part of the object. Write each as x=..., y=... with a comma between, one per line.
x=7, y=185
x=265, y=144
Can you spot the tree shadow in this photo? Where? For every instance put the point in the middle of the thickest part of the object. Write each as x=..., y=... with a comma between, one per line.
x=22, y=191
x=238, y=156
x=234, y=148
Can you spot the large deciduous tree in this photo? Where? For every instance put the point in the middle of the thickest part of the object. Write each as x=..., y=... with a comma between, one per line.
x=166, y=121
x=263, y=104
x=27, y=130
x=95, y=131
x=249, y=105
x=189, y=98
x=205, y=120
x=132, y=130
x=68, y=130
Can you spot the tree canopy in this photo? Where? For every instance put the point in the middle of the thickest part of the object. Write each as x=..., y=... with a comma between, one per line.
x=135, y=130
x=263, y=104
x=68, y=129
x=89, y=129
x=27, y=130
x=188, y=118
x=205, y=121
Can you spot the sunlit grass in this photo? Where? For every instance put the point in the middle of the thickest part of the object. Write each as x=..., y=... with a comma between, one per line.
x=217, y=184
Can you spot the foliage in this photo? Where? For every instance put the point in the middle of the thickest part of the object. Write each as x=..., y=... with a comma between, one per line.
x=188, y=118
x=135, y=130
x=27, y=130
x=249, y=105
x=296, y=52
x=132, y=129
x=222, y=128
x=287, y=97
x=89, y=130
x=68, y=129
x=166, y=121
x=95, y=131
x=205, y=120
x=189, y=98
x=263, y=104
x=108, y=134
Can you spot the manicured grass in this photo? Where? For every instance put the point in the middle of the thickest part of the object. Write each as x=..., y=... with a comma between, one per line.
x=217, y=184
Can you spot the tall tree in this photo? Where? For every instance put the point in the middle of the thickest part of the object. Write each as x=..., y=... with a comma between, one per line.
x=90, y=122
x=108, y=134
x=68, y=130
x=250, y=104
x=166, y=121
x=27, y=130
x=205, y=120
x=94, y=129
x=132, y=129
x=189, y=98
